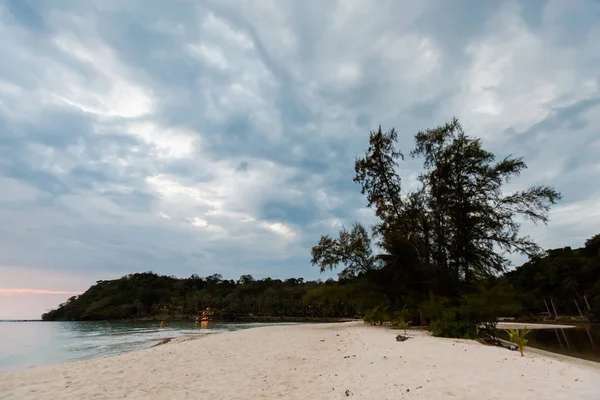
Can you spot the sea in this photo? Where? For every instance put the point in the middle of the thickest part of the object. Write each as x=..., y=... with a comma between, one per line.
x=24, y=344
x=582, y=341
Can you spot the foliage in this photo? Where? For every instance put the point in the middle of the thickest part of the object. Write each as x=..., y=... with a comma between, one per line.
x=472, y=218
x=444, y=239
x=592, y=246
x=402, y=324
x=351, y=248
x=377, y=315
x=489, y=299
x=433, y=309
x=518, y=337
x=148, y=295
x=453, y=323
x=568, y=278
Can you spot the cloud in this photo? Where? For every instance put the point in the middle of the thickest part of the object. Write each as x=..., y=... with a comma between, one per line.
x=220, y=136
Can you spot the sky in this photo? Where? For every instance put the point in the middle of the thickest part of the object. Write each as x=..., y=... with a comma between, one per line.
x=219, y=136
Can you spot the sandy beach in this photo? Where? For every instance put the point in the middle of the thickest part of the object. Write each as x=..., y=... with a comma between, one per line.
x=324, y=361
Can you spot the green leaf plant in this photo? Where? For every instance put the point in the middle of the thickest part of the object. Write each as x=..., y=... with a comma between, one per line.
x=518, y=337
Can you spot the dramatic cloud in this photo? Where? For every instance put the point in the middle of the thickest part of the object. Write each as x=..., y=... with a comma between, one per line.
x=219, y=136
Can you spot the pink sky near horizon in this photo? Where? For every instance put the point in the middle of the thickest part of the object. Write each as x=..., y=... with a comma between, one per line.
x=27, y=293
x=8, y=292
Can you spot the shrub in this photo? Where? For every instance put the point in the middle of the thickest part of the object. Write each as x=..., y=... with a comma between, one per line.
x=490, y=300
x=402, y=324
x=377, y=316
x=453, y=323
x=433, y=310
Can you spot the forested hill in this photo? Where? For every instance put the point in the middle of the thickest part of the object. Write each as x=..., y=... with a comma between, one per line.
x=148, y=295
x=568, y=280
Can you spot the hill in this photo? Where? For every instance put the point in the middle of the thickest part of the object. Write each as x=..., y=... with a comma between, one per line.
x=565, y=281
x=151, y=296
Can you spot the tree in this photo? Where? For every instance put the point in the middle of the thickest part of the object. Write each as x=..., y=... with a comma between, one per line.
x=570, y=277
x=214, y=278
x=353, y=249
x=474, y=218
x=245, y=280
x=376, y=173
x=149, y=295
x=592, y=246
x=453, y=230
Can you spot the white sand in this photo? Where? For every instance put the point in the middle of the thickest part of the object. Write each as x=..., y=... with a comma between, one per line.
x=311, y=362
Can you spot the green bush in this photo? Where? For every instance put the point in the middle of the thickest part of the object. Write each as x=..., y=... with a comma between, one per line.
x=378, y=315
x=453, y=323
x=433, y=310
x=402, y=324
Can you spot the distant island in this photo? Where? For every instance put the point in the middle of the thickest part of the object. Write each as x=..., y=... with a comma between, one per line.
x=437, y=254
x=150, y=296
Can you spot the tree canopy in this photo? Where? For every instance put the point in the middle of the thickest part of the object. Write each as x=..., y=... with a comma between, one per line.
x=455, y=229
x=148, y=295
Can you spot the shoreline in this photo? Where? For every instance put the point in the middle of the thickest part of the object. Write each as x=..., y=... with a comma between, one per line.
x=258, y=320
x=321, y=361
x=582, y=362
x=532, y=326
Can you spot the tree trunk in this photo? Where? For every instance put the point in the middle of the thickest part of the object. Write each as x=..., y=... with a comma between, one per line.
x=586, y=302
x=548, y=309
x=422, y=317
x=554, y=308
x=578, y=309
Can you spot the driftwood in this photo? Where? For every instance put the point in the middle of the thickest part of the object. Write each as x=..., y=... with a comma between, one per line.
x=163, y=341
x=401, y=338
x=496, y=341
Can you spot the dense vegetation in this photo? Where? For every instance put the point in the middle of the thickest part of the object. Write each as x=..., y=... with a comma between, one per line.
x=440, y=244
x=438, y=252
x=148, y=295
x=437, y=255
x=565, y=281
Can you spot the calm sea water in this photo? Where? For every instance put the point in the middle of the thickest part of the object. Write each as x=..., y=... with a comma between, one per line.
x=29, y=343
x=583, y=341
